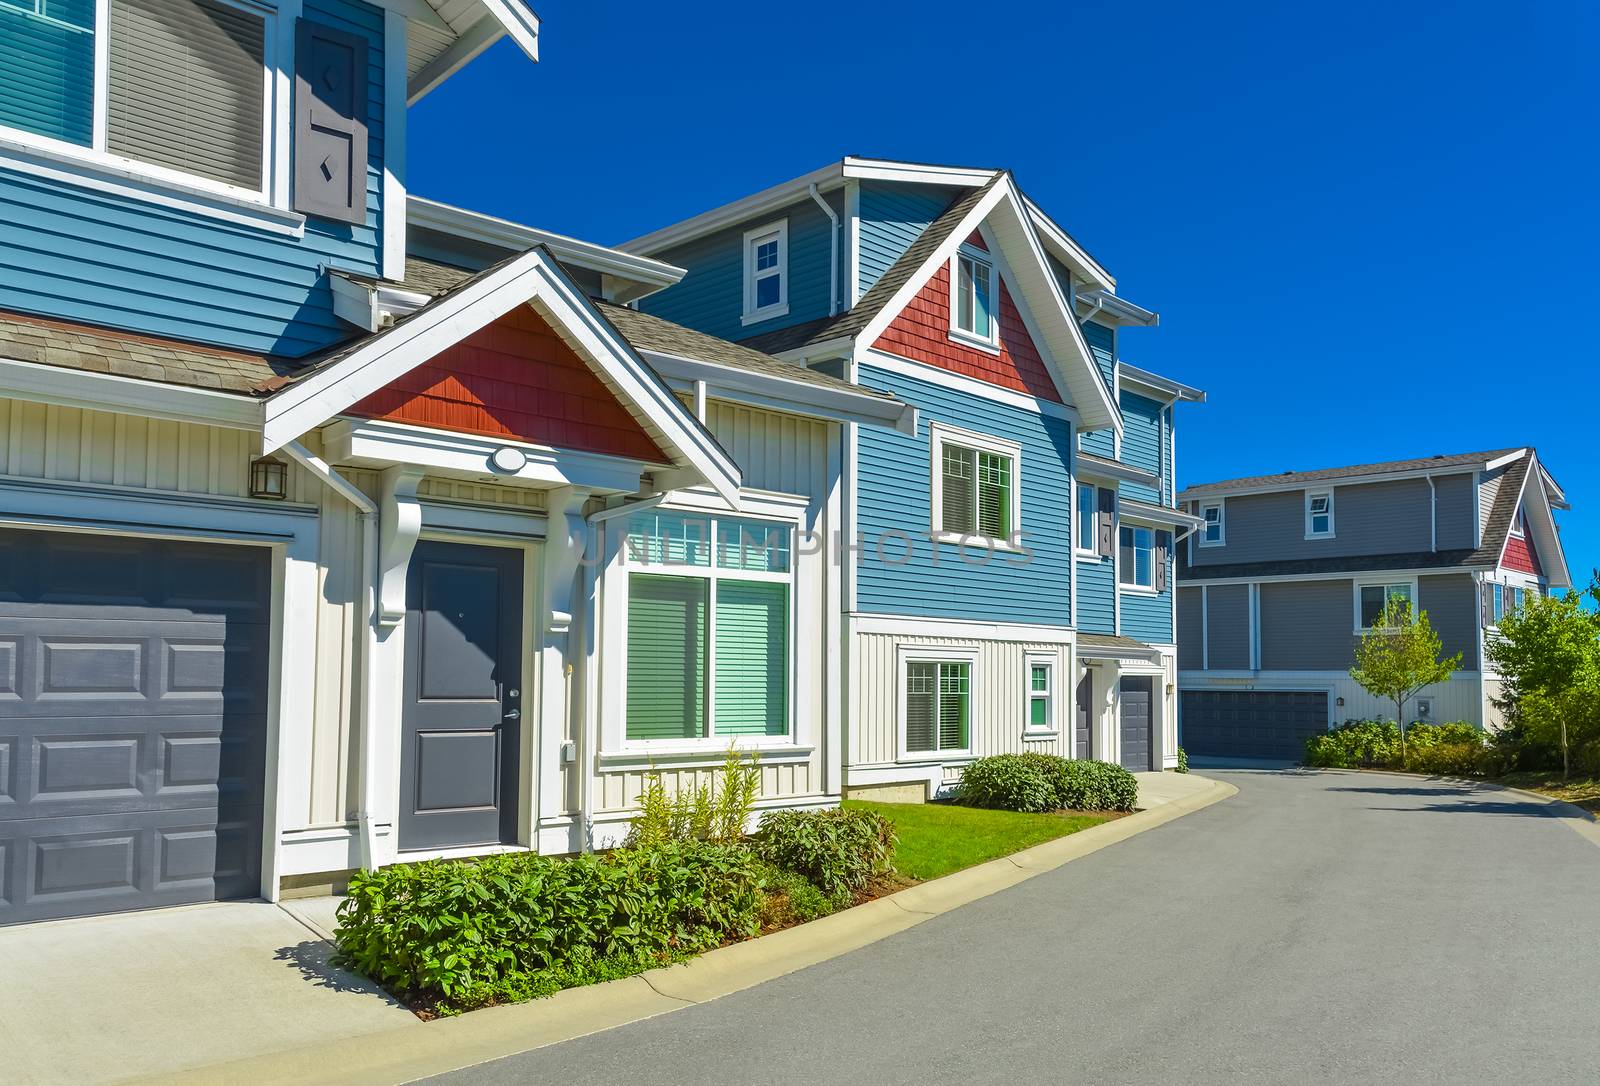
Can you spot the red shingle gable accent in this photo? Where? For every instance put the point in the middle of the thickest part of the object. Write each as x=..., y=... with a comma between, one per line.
x=921, y=332
x=976, y=241
x=515, y=379
x=1520, y=555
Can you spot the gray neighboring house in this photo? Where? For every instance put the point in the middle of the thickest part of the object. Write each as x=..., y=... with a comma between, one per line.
x=1290, y=569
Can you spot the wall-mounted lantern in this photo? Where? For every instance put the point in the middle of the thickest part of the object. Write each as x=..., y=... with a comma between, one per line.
x=269, y=478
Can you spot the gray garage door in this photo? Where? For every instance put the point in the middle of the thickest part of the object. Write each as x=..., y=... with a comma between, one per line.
x=132, y=722
x=1251, y=723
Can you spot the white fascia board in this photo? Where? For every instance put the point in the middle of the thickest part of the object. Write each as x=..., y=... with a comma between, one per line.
x=827, y=178
x=499, y=19
x=1202, y=490
x=514, y=237
x=1107, y=308
x=917, y=173
x=1553, y=491
x=1068, y=251
x=1160, y=514
x=796, y=397
x=532, y=278
x=1368, y=575
x=1066, y=354
x=1103, y=469
x=82, y=389
x=355, y=301
x=1501, y=461
x=1547, y=538
x=1172, y=390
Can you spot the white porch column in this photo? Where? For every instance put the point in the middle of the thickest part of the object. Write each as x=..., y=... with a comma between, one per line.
x=399, y=524
x=561, y=596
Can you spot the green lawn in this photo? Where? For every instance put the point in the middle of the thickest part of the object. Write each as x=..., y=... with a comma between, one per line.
x=1583, y=791
x=938, y=838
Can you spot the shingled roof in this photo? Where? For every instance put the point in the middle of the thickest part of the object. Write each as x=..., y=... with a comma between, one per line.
x=854, y=321
x=1389, y=467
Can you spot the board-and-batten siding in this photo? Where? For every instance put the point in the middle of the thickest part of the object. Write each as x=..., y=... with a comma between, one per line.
x=1102, y=343
x=83, y=255
x=894, y=499
x=711, y=296
x=891, y=217
x=999, y=699
x=787, y=454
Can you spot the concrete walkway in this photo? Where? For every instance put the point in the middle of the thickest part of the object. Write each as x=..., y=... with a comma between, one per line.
x=108, y=998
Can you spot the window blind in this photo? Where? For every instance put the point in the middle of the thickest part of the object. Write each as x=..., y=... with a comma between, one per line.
x=921, y=703
x=752, y=688
x=47, y=68
x=186, y=88
x=994, y=495
x=953, y=706
x=666, y=657
x=958, y=489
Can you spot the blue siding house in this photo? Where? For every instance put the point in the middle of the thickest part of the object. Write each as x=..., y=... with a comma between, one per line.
x=1008, y=566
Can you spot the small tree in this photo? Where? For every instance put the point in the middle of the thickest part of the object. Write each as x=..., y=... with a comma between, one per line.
x=1399, y=657
x=1548, y=654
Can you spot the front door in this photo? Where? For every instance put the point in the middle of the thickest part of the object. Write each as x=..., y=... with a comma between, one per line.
x=1136, y=697
x=1082, y=739
x=463, y=678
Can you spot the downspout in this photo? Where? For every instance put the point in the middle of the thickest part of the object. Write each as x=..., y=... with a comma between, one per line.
x=1433, y=515
x=589, y=722
x=367, y=510
x=833, y=262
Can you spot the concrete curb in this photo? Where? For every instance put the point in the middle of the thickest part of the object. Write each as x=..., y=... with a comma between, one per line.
x=419, y=1049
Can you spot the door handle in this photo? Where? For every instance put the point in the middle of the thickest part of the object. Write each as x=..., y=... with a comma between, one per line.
x=513, y=714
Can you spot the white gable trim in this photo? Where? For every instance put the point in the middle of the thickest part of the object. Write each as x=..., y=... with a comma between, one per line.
x=534, y=278
x=1037, y=294
x=1542, y=538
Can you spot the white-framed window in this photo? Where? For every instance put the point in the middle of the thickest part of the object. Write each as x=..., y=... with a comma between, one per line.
x=1319, y=514
x=1041, y=692
x=976, y=487
x=1372, y=599
x=1085, y=539
x=974, y=297
x=937, y=690
x=766, y=272
x=1214, y=533
x=1519, y=524
x=183, y=93
x=708, y=604
x=1136, y=559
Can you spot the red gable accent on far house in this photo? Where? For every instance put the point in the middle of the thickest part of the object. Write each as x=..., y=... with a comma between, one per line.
x=514, y=378
x=1521, y=556
x=921, y=332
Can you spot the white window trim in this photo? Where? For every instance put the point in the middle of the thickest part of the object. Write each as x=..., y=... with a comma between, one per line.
x=1310, y=533
x=1387, y=582
x=1221, y=506
x=1518, y=518
x=936, y=654
x=1130, y=586
x=1052, y=701
x=940, y=435
x=991, y=342
x=780, y=308
x=612, y=607
x=1094, y=513
x=97, y=168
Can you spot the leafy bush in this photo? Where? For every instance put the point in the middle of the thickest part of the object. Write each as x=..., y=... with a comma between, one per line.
x=1084, y=785
x=1046, y=782
x=1183, y=762
x=1355, y=744
x=1455, y=748
x=1010, y=782
x=457, y=934
x=839, y=851
x=717, y=812
x=1447, y=759
x=790, y=898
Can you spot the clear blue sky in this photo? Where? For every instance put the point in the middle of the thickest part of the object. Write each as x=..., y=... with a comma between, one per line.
x=1370, y=230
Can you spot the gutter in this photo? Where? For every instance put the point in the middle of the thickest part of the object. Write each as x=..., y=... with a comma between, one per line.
x=833, y=261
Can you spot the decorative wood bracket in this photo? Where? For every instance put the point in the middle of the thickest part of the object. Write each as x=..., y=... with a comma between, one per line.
x=399, y=523
x=566, y=536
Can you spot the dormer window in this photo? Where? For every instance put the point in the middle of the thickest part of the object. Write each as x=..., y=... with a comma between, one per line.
x=180, y=88
x=1214, y=532
x=1319, y=514
x=766, y=272
x=973, y=288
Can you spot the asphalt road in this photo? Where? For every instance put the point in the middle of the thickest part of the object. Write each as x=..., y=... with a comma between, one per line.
x=1315, y=927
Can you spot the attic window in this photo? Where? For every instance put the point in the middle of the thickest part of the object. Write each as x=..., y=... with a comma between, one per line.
x=1519, y=524
x=766, y=272
x=972, y=293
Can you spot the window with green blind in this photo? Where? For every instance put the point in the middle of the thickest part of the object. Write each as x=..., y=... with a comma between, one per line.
x=708, y=626
x=938, y=705
x=1039, y=684
x=976, y=486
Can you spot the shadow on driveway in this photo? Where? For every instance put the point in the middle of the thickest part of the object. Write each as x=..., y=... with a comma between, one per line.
x=312, y=959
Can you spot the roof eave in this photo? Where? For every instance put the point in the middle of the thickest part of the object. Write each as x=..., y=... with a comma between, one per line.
x=1108, y=308
x=1165, y=385
x=1067, y=250
x=500, y=19
x=729, y=214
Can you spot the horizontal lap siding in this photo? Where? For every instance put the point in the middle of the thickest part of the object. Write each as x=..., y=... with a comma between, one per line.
x=1228, y=626
x=1307, y=625
x=1148, y=618
x=711, y=296
x=99, y=258
x=1096, y=596
x=894, y=495
x=1142, y=439
x=999, y=705
x=1191, y=620
x=1451, y=602
x=1455, y=512
x=892, y=216
x=1102, y=346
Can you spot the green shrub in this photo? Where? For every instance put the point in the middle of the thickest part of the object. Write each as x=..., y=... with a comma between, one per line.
x=1355, y=744
x=1009, y=782
x=1456, y=748
x=790, y=898
x=1080, y=784
x=1447, y=759
x=717, y=812
x=839, y=851
x=459, y=934
x=1183, y=762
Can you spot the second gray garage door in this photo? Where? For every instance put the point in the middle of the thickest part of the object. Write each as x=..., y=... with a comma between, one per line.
x=1270, y=724
x=132, y=722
